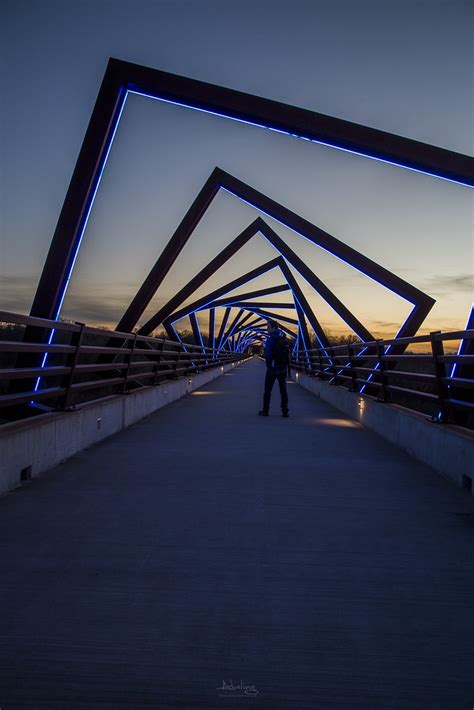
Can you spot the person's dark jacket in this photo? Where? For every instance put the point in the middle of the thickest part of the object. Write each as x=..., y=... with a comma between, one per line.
x=269, y=348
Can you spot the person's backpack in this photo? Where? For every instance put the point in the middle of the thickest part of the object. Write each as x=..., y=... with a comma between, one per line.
x=281, y=352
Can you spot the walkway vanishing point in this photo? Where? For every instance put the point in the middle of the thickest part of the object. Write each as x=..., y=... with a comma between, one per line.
x=206, y=546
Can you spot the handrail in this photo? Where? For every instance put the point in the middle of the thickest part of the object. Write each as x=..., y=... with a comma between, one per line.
x=437, y=383
x=100, y=362
x=61, y=364
x=452, y=335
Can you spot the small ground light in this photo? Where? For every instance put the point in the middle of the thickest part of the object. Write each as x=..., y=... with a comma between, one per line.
x=361, y=404
x=190, y=381
x=25, y=474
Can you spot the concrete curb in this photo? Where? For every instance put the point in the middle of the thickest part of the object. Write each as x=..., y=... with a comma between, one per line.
x=446, y=448
x=32, y=446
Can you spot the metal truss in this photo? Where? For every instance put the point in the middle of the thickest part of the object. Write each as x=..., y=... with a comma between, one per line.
x=422, y=303
x=124, y=78
x=209, y=301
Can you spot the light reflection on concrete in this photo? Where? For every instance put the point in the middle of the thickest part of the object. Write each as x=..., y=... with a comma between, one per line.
x=203, y=392
x=333, y=422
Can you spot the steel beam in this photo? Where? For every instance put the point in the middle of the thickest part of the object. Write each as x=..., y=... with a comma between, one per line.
x=423, y=302
x=197, y=280
x=223, y=326
x=208, y=300
x=123, y=77
x=212, y=327
x=230, y=300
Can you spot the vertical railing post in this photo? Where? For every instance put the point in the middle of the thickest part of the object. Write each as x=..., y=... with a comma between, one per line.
x=158, y=362
x=304, y=359
x=383, y=371
x=352, y=365
x=66, y=400
x=307, y=361
x=175, y=368
x=437, y=350
x=190, y=361
x=129, y=363
x=333, y=367
x=202, y=360
x=320, y=360
x=308, y=364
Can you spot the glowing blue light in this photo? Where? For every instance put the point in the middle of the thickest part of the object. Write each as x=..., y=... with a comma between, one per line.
x=212, y=113
x=84, y=225
x=227, y=303
x=305, y=345
x=469, y=320
x=200, y=339
x=297, y=342
x=368, y=378
x=199, y=333
x=329, y=144
x=231, y=332
x=391, y=162
x=123, y=98
x=178, y=339
x=321, y=247
x=207, y=304
x=92, y=199
x=385, y=352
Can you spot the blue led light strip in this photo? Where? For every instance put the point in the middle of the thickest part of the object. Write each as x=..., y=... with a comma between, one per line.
x=125, y=93
x=321, y=247
x=295, y=135
x=306, y=345
x=83, y=229
x=377, y=364
x=470, y=319
x=208, y=303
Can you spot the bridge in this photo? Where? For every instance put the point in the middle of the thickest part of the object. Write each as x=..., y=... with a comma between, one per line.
x=163, y=546
x=205, y=546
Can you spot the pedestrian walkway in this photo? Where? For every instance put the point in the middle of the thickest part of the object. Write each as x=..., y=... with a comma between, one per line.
x=207, y=548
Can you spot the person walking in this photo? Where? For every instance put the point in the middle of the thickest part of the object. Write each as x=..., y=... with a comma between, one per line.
x=277, y=358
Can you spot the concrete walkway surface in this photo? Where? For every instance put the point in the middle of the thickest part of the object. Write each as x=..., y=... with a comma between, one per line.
x=211, y=558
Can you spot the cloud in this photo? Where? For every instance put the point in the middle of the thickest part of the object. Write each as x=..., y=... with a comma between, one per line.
x=92, y=310
x=16, y=292
x=100, y=308
x=444, y=284
x=97, y=307
x=389, y=325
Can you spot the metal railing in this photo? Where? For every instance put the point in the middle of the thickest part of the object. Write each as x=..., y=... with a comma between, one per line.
x=59, y=365
x=437, y=383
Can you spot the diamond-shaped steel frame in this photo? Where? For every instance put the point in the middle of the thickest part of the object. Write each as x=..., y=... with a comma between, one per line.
x=422, y=303
x=122, y=78
x=209, y=302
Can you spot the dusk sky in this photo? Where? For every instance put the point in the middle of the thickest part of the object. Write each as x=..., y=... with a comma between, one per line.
x=404, y=67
